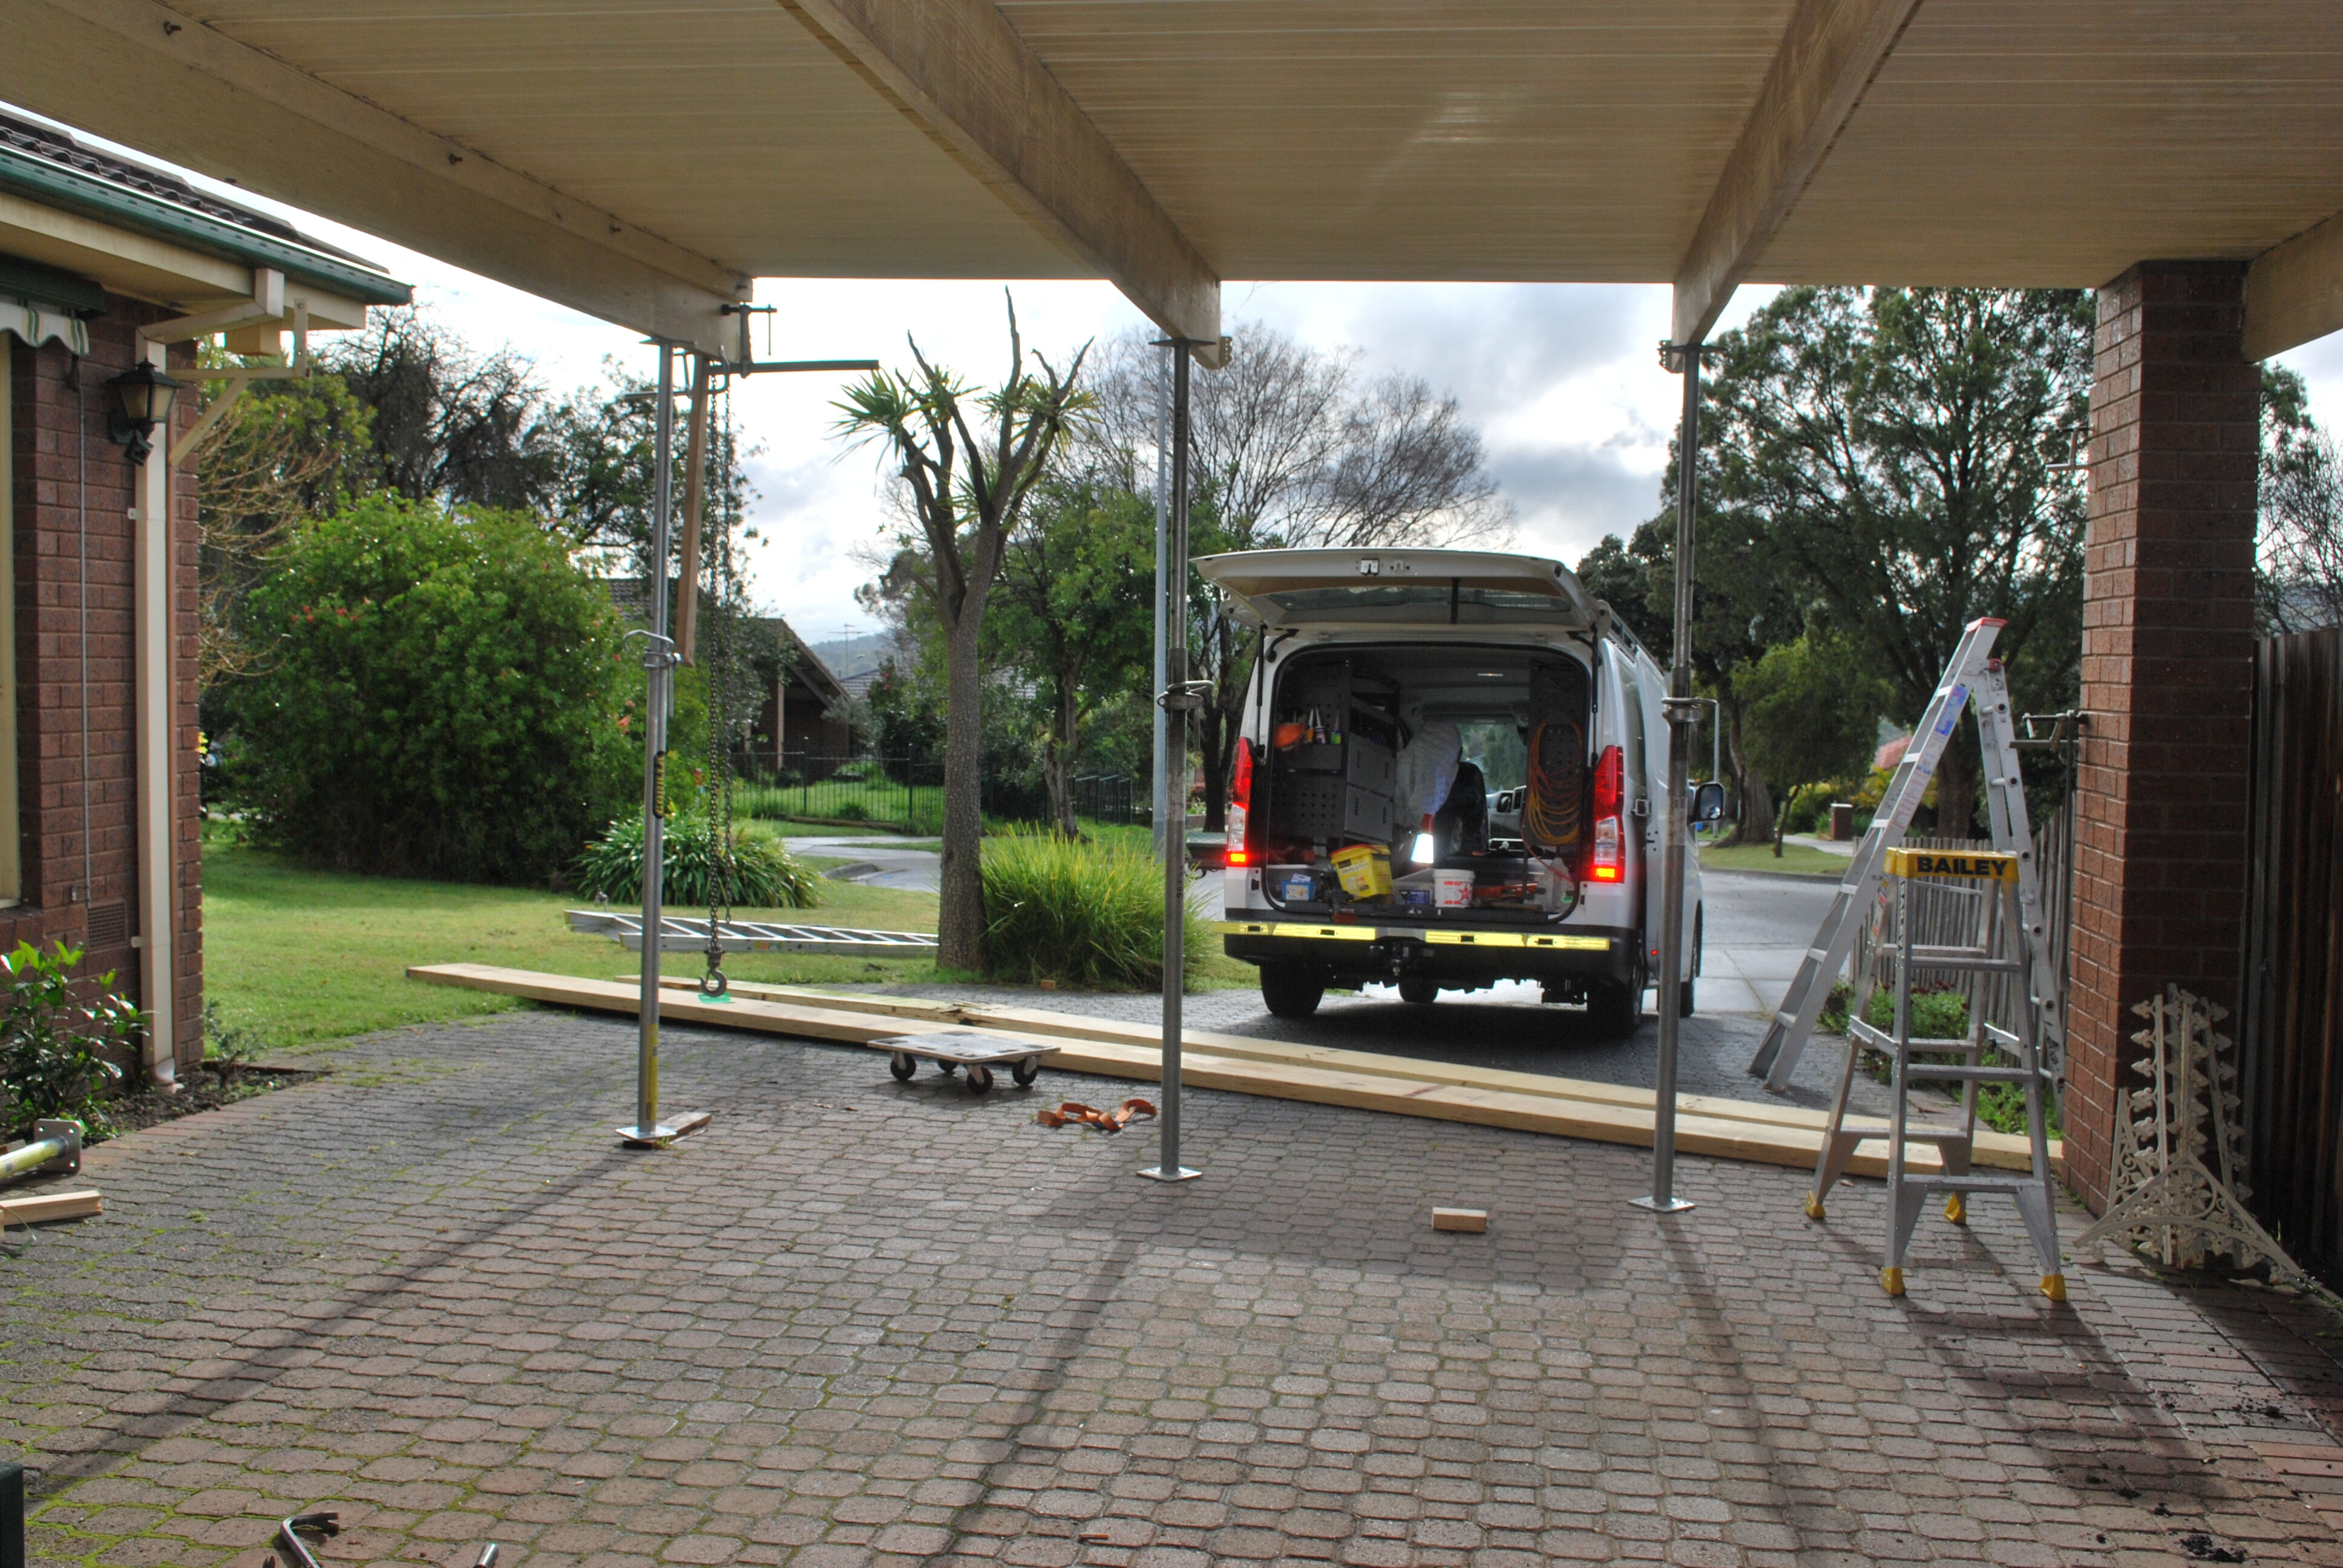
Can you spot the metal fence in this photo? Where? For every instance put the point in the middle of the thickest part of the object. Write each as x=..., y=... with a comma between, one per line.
x=1107, y=797
x=2291, y=1028
x=897, y=792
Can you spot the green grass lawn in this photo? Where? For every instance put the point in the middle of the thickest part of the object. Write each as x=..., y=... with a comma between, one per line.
x=1760, y=858
x=303, y=955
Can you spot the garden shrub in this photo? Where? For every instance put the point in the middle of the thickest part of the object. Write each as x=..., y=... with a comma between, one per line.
x=57, y=1049
x=765, y=875
x=1077, y=912
x=446, y=696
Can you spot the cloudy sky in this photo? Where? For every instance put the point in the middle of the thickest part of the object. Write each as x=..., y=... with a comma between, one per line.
x=1562, y=380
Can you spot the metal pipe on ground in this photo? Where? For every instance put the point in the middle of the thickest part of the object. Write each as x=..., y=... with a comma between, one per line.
x=55, y=1149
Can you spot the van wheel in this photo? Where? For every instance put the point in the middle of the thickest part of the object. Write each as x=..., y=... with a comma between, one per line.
x=1683, y=999
x=1421, y=992
x=1291, y=991
x=1614, y=1008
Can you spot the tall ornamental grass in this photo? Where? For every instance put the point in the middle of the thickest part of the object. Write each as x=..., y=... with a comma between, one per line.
x=765, y=875
x=1078, y=913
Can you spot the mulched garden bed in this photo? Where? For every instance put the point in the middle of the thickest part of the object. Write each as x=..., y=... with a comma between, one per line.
x=199, y=1091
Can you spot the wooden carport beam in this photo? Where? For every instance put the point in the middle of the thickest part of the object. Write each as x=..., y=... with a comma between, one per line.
x=959, y=71
x=156, y=79
x=1829, y=54
x=2294, y=291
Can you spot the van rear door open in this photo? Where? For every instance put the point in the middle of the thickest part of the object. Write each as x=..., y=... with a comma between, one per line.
x=1383, y=590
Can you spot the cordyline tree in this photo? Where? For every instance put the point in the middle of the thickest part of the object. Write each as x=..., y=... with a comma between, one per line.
x=1891, y=454
x=966, y=495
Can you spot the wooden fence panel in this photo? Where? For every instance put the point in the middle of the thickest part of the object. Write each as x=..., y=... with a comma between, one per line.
x=2291, y=1073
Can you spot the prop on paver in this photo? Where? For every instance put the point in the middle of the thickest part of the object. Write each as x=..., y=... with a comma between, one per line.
x=1993, y=881
x=1074, y=1113
x=2168, y=1200
x=954, y=1049
x=55, y=1149
x=1974, y=678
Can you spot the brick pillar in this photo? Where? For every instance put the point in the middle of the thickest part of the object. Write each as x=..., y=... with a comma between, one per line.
x=2166, y=677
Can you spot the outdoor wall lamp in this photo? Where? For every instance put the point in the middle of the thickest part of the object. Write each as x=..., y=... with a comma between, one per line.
x=142, y=395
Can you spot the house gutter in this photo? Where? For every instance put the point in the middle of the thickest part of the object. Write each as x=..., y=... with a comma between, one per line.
x=151, y=657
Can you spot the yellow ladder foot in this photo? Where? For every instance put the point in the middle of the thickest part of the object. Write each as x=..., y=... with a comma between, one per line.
x=1892, y=1281
x=1813, y=1207
x=1955, y=1211
x=2054, y=1286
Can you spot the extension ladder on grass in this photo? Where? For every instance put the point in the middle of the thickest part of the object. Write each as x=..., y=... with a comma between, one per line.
x=1972, y=678
x=683, y=934
x=1993, y=880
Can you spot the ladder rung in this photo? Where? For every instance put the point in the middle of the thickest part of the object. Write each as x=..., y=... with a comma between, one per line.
x=1975, y=1183
x=1970, y=1074
x=1817, y=955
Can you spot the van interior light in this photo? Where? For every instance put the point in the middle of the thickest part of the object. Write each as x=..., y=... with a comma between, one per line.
x=1421, y=853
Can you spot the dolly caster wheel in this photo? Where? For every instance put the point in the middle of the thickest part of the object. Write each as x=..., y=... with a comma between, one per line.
x=1025, y=1071
x=902, y=1066
x=979, y=1080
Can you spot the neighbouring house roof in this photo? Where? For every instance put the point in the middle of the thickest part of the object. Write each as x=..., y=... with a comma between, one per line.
x=74, y=222
x=806, y=666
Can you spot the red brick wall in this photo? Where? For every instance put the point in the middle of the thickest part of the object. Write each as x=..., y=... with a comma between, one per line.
x=2168, y=673
x=80, y=843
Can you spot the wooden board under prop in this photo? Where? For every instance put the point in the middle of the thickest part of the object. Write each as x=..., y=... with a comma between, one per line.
x=1527, y=1103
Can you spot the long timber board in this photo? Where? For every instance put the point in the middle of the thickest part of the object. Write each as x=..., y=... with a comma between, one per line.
x=1528, y=1103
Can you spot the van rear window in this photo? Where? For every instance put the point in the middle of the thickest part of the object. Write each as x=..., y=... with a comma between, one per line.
x=1417, y=604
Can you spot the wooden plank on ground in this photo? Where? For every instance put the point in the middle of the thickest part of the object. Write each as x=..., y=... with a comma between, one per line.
x=1614, y=1118
x=1997, y=1151
x=40, y=1208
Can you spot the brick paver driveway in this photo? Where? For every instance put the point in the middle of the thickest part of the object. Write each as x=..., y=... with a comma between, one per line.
x=858, y=1323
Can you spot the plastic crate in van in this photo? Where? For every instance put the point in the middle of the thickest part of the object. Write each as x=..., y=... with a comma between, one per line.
x=1318, y=806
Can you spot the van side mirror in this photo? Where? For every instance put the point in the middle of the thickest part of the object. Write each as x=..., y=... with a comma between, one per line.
x=1708, y=802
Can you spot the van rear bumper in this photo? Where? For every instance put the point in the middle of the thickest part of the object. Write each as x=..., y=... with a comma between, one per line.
x=1356, y=954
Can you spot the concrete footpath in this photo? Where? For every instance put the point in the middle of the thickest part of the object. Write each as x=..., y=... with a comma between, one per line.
x=856, y=1322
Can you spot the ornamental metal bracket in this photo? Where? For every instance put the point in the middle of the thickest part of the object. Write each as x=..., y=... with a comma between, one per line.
x=1185, y=698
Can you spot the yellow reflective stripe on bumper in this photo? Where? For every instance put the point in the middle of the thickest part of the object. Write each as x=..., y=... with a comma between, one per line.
x=1308, y=933
x=1476, y=939
x=1572, y=944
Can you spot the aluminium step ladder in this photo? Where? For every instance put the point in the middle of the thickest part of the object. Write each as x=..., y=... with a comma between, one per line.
x=1992, y=879
x=684, y=934
x=1973, y=678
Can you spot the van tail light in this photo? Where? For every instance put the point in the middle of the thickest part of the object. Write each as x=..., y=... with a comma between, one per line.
x=1606, y=852
x=1240, y=812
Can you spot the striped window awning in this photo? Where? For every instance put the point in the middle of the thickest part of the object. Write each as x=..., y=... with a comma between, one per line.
x=36, y=323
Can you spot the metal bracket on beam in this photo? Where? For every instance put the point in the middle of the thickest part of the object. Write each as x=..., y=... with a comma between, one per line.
x=1673, y=355
x=1188, y=697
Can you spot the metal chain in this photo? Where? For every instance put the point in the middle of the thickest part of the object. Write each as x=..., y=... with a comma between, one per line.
x=723, y=588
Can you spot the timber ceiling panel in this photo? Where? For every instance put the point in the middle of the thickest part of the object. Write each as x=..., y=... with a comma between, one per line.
x=1518, y=139
x=721, y=126
x=2014, y=142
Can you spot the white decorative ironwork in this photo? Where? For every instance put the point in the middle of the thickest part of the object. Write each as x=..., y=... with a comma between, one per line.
x=2165, y=1197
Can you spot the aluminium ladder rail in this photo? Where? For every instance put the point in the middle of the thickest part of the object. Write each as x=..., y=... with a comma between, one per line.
x=684, y=934
x=1972, y=678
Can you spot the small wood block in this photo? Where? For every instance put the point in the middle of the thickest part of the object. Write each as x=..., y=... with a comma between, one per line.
x=691, y=1122
x=1472, y=1221
x=48, y=1206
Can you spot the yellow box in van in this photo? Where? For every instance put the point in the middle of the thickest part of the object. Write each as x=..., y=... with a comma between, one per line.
x=1364, y=870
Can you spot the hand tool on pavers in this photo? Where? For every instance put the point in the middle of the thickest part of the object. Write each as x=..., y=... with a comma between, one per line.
x=954, y=1048
x=1973, y=678
x=1992, y=880
x=298, y=1555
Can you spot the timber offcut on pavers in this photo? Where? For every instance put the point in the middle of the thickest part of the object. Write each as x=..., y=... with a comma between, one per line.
x=862, y=1322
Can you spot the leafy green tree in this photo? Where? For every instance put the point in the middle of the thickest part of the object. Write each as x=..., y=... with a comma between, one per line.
x=449, y=697
x=1813, y=712
x=966, y=495
x=1890, y=452
x=1073, y=613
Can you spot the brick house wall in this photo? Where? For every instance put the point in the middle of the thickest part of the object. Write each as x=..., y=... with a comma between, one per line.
x=78, y=821
x=2166, y=675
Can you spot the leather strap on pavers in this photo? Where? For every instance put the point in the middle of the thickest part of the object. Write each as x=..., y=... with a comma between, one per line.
x=1113, y=1121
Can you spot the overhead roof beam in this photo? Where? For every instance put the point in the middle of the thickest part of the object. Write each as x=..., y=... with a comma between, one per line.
x=152, y=78
x=958, y=70
x=1828, y=57
x=2294, y=291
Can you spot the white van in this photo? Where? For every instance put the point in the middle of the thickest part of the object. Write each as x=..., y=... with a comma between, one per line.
x=1490, y=727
